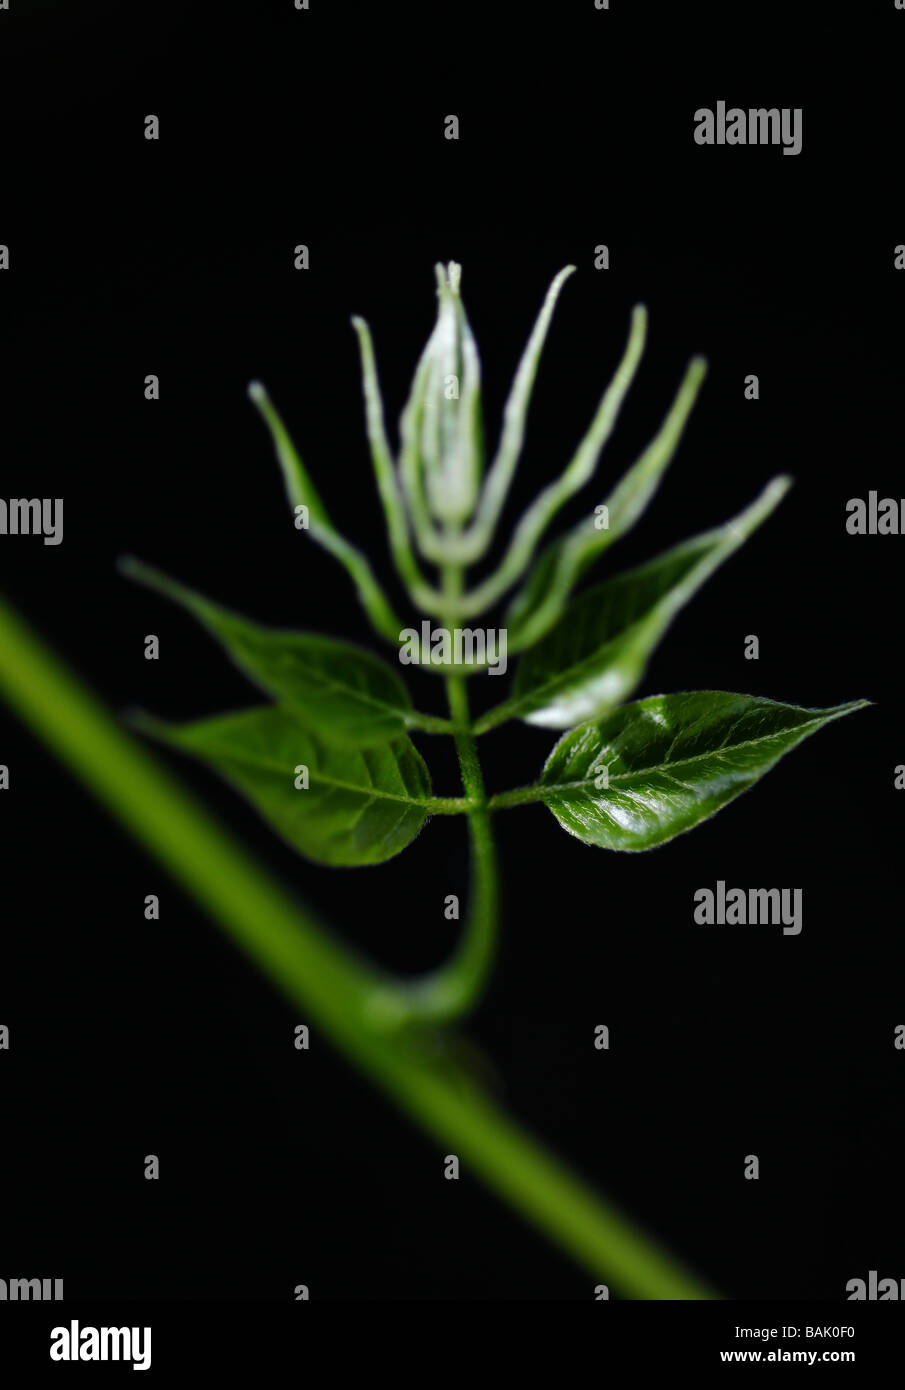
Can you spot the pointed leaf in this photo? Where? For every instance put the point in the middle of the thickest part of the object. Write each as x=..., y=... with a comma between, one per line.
x=411, y=463
x=384, y=469
x=360, y=807
x=301, y=492
x=596, y=655
x=535, y=520
x=512, y=435
x=340, y=692
x=537, y=605
x=654, y=769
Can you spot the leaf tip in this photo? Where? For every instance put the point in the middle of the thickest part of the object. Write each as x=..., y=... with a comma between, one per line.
x=256, y=392
x=777, y=488
x=126, y=565
x=448, y=277
x=130, y=567
x=140, y=721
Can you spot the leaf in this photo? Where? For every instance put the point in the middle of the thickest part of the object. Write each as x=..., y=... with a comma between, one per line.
x=596, y=655
x=538, y=604
x=341, y=692
x=535, y=520
x=502, y=470
x=654, y=769
x=300, y=491
x=384, y=468
x=360, y=806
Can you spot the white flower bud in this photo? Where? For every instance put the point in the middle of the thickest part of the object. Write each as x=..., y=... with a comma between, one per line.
x=450, y=443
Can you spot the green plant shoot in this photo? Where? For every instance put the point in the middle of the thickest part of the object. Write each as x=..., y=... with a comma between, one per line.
x=327, y=755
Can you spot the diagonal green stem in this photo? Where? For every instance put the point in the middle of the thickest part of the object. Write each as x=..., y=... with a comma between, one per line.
x=323, y=979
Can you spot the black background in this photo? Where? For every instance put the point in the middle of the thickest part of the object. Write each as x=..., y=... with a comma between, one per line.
x=130, y=257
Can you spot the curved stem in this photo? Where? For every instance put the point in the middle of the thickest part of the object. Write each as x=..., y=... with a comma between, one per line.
x=461, y=983
x=456, y=987
x=466, y=747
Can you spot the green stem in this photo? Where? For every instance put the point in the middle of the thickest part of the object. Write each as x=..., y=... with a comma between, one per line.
x=471, y=967
x=459, y=985
x=430, y=723
x=323, y=979
x=456, y=987
x=518, y=796
x=466, y=747
x=449, y=805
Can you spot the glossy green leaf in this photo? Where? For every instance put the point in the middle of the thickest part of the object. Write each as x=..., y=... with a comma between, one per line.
x=597, y=653
x=653, y=769
x=341, y=692
x=360, y=806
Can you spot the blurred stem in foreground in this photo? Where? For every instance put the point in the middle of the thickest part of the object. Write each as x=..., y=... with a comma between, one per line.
x=322, y=978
